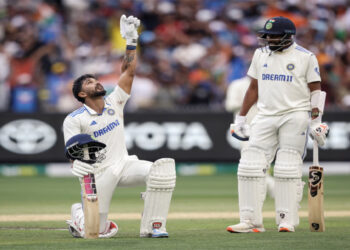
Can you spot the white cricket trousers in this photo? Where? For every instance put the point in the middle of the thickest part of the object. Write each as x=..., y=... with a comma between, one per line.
x=131, y=172
x=289, y=130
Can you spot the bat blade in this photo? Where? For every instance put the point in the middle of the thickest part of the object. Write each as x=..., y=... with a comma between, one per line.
x=91, y=211
x=315, y=199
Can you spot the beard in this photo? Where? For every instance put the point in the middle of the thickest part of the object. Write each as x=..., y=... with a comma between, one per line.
x=280, y=46
x=275, y=47
x=99, y=93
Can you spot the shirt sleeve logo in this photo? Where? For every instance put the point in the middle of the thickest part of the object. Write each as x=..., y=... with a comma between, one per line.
x=290, y=66
x=317, y=70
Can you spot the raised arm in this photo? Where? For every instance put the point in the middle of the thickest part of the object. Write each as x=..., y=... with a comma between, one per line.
x=128, y=30
x=128, y=70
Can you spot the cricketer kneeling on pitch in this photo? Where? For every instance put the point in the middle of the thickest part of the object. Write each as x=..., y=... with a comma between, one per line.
x=101, y=122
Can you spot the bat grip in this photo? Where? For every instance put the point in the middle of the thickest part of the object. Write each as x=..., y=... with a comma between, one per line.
x=315, y=154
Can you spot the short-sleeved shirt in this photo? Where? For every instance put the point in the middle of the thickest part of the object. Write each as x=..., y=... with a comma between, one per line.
x=107, y=127
x=283, y=79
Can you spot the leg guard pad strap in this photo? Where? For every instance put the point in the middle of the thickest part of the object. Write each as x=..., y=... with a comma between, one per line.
x=253, y=163
x=288, y=164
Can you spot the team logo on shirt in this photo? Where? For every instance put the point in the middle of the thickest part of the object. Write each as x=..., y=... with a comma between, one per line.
x=106, y=129
x=277, y=77
x=111, y=111
x=290, y=66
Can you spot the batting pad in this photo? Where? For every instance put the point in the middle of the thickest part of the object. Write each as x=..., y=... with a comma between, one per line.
x=160, y=187
x=252, y=185
x=253, y=163
x=288, y=164
x=288, y=186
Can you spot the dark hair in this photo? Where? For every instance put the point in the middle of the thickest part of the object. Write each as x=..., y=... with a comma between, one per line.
x=78, y=84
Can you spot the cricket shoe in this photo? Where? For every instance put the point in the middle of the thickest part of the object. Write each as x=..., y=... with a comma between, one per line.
x=76, y=224
x=111, y=230
x=283, y=227
x=245, y=227
x=156, y=233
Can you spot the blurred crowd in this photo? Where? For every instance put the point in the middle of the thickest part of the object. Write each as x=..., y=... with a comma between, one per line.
x=189, y=50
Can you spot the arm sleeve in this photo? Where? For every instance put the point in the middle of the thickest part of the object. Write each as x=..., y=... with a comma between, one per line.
x=313, y=70
x=118, y=97
x=71, y=127
x=253, y=71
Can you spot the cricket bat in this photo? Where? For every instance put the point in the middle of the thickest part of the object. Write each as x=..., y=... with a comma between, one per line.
x=90, y=204
x=315, y=194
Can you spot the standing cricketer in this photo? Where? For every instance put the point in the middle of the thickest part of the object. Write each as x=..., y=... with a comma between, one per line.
x=286, y=84
x=103, y=119
x=233, y=103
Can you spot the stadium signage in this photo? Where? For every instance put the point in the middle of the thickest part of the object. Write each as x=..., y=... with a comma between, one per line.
x=172, y=135
x=27, y=136
x=184, y=136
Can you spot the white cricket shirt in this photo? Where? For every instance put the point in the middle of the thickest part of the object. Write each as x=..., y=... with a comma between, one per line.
x=107, y=127
x=283, y=79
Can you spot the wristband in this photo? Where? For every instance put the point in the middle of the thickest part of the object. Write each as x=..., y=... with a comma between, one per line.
x=130, y=47
x=240, y=119
x=315, y=113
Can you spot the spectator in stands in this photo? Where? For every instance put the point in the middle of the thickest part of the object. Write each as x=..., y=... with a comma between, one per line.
x=193, y=49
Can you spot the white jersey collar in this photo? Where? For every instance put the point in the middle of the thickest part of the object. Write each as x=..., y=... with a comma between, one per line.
x=93, y=112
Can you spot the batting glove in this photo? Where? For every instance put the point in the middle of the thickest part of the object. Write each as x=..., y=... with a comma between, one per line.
x=80, y=169
x=319, y=132
x=240, y=130
x=128, y=29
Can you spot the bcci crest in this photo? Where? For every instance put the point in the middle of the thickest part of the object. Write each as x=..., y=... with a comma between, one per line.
x=269, y=24
x=290, y=66
x=111, y=111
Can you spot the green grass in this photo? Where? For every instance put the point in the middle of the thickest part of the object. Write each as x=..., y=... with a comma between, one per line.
x=38, y=195
x=42, y=195
x=184, y=234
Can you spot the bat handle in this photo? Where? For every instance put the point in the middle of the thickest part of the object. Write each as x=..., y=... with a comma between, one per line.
x=315, y=154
